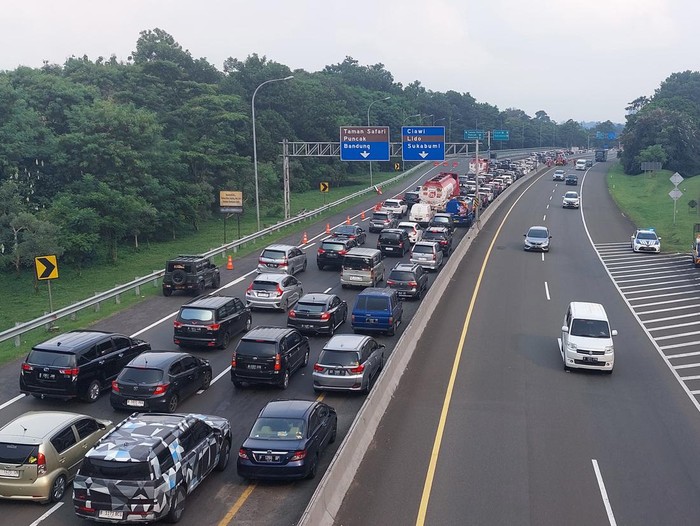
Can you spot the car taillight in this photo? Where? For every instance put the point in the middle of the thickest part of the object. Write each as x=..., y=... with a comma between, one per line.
x=242, y=454
x=160, y=389
x=40, y=464
x=325, y=316
x=358, y=369
x=412, y=284
x=279, y=290
x=443, y=242
x=401, y=244
x=70, y=372
x=390, y=282
x=250, y=287
x=233, y=360
x=284, y=263
x=292, y=313
x=214, y=326
x=115, y=386
x=177, y=324
x=318, y=368
x=321, y=251
x=278, y=362
x=260, y=261
x=298, y=455
x=27, y=367
x=342, y=252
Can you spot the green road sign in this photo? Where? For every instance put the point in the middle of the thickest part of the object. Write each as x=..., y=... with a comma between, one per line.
x=501, y=135
x=473, y=135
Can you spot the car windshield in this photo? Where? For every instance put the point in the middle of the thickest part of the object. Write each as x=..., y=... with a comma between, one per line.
x=380, y=216
x=423, y=249
x=345, y=231
x=571, y=195
x=200, y=315
x=401, y=275
x=357, y=263
x=332, y=246
x=173, y=266
x=433, y=235
x=392, y=203
x=115, y=470
x=267, y=428
x=18, y=453
x=590, y=328
x=539, y=233
x=140, y=375
x=51, y=359
x=646, y=235
x=344, y=358
x=310, y=307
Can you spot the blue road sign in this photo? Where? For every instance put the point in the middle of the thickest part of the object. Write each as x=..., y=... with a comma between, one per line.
x=598, y=135
x=500, y=135
x=423, y=143
x=364, y=143
x=612, y=136
x=473, y=135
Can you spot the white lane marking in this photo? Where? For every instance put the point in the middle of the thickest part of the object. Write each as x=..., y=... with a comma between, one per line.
x=328, y=290
x=675, y=326
x=603, y=493
x=547, y=207
x=45, y=515
x=550, y=197
x=544, y=217
x=12, y=401
x=309, y=245
x=682, y=355
x=546, y=291
x=542, y=256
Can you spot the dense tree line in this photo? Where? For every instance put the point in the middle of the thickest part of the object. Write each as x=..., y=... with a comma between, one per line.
x=665, y=127
x=98, y=154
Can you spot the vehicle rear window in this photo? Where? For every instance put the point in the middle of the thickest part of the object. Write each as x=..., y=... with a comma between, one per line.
x=423, y=249
x=140, y=375
x=344, y=358
x=357, y=263
x=590, y=328
x=113, y=470
x=335, y=247
x=345, y=231
x=18, y=453
x=264, y=285
x=401, y=275
x=310, y=307
x=372, y=303
x=273, y=254
x=191, y=314
x=433, y=235
x=379, y=216
x=391, y=238
x=51, y=358
x=257, y=348
x=278, y=428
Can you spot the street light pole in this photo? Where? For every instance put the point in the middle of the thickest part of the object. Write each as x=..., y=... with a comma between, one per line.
x=255, y=145
x=368, y=108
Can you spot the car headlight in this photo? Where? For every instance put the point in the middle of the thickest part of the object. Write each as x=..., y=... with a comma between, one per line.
x=572, y=346
x=609, y=349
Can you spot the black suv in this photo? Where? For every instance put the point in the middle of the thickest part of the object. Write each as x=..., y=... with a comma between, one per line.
x=211, y=321
x=411, y=198
x=441, y=235
x=444, y=219
x=332, y=250
x=269, y=355
x=190, y=273
x=409, y=280
x=393, y=242
x=77, y=364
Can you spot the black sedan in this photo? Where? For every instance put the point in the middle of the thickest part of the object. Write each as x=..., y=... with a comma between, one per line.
x=157, y=381
x=287, y=440
x=351, y=232
x=318, y=313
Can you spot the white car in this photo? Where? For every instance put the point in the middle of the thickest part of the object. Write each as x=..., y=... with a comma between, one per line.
x=396, y=207
x=414, y=231
x=571, y=200
x=558, y=175
x=645, y=240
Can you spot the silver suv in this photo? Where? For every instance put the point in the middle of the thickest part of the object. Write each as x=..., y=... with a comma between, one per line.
x=348, y=362
x=427, y=254
x=282, y=258
x=273, y=291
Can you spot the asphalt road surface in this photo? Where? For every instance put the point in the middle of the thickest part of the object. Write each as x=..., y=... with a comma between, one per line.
x=224, y=497
x=513, y=439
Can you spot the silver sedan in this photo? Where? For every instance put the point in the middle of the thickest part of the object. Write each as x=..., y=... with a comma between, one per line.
x=274, y=291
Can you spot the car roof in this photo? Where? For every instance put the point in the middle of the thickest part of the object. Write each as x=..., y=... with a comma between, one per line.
x=405, y=266
x=362, y=252
x=287, y=408
x=587, y=310
x=376, y=291
x=571, y=192
x=316, y=297
x=208, y=302
x=427, y=242
x=278, y=246
x=538, y=227
x=440, y=229
x=71, y=341
x=646, y=230
x=266, y=333
x=155, y=359
x=346, y=342
x=346, y=227
x=392, y=231
x=35, y=426
x=412, y=224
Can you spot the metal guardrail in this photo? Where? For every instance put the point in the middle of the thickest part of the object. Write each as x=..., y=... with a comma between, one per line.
x=21, y=328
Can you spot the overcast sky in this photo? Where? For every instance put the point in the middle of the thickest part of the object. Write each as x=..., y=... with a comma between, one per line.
x=575, y=59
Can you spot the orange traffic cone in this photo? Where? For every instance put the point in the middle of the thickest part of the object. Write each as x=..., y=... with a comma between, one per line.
x=305, y=240
x=328, y=228
x=347, y=221
x=229, y=264
x=362, y=215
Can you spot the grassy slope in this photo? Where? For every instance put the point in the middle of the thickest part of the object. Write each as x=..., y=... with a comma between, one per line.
x=645, y=200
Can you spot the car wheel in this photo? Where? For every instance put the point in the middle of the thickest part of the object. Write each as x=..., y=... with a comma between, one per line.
x=58, y=488
x=172, y=404
x=303, y=268
x=237, y=384
x=200, y=288
x=306, y=359
x=224, y=455
x=92, y=393
x=284, y=382
x=331, y=328
x=216, y=282
x=313, y=469
x=167, y=292
x=206, y=380
x=225, y=341
x=391, y=331
x=567, y=369
x=334, y=433
x=248, y=324
x=177, y=507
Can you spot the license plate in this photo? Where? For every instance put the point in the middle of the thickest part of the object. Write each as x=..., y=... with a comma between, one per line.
x=590, y=359
x=263, y=294
x=135, y=403
x=336, y=372
x=272, y=458
x=332, y=255
x=371, y=320
x=9, y=473
x=307, y=326
x=47, y=376
x=389, y=248
x=355, y=278
x=254, y=366
x=272, y=265
x=108, y=514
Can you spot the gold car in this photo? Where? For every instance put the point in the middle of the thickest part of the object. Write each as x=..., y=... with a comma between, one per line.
x=41, y=451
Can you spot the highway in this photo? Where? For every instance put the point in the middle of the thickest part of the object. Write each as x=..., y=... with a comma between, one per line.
x=486, y=427
x=224, y=497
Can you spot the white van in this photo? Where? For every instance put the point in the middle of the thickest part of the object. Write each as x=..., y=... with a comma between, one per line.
x=586, y=339
x=421, y=213
x=581, y=164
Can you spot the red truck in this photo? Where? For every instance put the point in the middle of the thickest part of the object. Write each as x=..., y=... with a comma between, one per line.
x=438, y=190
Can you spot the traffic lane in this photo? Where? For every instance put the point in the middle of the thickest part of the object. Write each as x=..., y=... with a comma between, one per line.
x=604, y=220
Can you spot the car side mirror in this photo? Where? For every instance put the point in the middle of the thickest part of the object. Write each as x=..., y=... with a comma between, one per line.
x=614, y=332
x=658, y=238
x=564, y=328
x=550, y=237
x=524, y=235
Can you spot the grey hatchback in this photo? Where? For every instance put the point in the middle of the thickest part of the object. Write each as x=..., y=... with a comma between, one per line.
x=348, y=362
x=273, y=291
